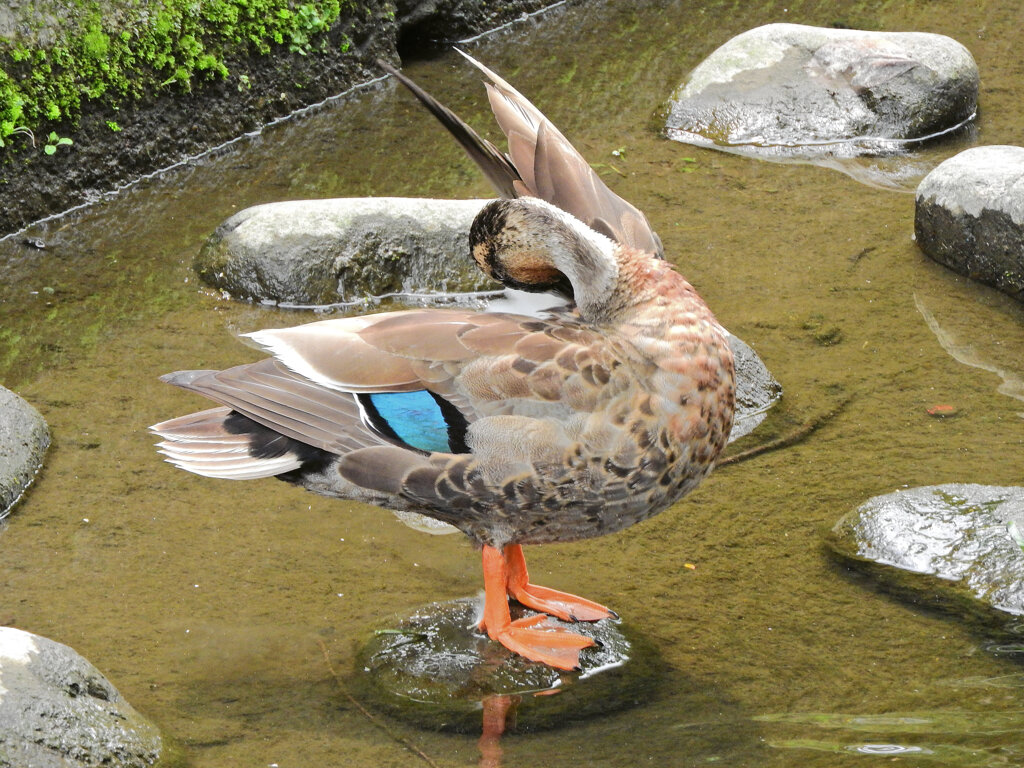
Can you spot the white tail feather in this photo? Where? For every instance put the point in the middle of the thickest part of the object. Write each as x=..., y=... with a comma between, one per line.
x=225, y=463
x=198, y=443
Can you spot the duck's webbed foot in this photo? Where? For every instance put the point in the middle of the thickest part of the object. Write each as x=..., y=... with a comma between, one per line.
x=533, y=637
x=538, y=640
x=562, y=605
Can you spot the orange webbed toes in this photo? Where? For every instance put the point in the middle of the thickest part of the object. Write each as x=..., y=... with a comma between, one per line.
x=561, y=604
x=555, y=646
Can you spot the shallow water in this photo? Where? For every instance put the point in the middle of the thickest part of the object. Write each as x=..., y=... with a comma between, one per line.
x=232, y=614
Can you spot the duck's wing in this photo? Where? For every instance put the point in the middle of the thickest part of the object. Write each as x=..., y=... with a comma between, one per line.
x=551, y=169
x=496, y=166
x=541, y=162
x=416, y=379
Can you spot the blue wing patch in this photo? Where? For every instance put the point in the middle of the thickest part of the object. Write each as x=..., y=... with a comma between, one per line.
x=421, y=420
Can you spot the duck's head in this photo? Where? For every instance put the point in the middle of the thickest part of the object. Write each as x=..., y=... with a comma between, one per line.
x=531, y=245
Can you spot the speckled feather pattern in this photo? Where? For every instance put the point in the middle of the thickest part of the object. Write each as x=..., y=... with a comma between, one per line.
x=578, y=423
x=576, y=430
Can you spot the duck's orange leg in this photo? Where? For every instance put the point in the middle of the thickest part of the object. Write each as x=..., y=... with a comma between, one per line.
x=530, y=637
x=561, y=604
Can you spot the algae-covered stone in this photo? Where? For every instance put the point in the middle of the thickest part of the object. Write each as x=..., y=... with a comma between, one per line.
x=969, y=215
x=968, y=537
x=24, y=439
x=795, y=91
x=58, y=711
x=435, y=669
x=340, y=250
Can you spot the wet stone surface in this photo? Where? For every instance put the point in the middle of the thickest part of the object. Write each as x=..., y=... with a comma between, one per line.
x=969, y=215
x=343, y=250
x=970, y=538
x=435, y=670
x=58, y=711
x=24, y=439
x=756, y=389
x=789, y=91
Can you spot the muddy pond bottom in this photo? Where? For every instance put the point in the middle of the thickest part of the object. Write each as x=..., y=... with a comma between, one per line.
x=435, y=670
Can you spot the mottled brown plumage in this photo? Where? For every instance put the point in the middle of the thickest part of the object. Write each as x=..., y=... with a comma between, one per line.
x=580, y=422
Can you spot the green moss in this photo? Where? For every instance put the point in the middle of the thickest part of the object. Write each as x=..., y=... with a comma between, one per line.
x=117, y=57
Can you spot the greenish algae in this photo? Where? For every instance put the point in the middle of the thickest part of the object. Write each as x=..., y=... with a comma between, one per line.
x=56, y=55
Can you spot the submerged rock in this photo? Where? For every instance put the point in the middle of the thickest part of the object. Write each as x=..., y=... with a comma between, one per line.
x=788, y=91
x=435, y=670
x=969, y=537
x=24, y=439
x=756, y=389
x=343, y=250
x=969, y=215
x=58, y=711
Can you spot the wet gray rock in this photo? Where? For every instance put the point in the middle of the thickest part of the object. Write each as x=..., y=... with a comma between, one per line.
x=756, y=389
x=798, y=92
x=58, y=711
x=24, y=439
x=435, y=670
x=968, y=537
x=969, y=215
x=343, y=250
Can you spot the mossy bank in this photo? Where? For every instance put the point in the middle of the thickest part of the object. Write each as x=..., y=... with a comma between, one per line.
x=96, y=93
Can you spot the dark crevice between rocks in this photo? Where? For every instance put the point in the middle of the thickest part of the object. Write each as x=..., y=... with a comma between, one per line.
x=429, y=27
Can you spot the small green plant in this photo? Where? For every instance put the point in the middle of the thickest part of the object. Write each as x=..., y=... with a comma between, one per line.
x=308, y=22
x=689, y=164
x=53, y=141
x=112, y=125
x=23, y=131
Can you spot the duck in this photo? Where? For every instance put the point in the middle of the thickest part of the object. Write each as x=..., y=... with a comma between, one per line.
x=516, y=429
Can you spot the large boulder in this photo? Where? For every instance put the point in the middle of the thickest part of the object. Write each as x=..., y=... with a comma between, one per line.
x=58, y=711
x=24, y=439
x=343, y=250
x=967, y=539
x=969, y=215
x=798, y=92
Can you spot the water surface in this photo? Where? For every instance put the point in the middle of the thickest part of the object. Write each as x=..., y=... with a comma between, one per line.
x=231, y=613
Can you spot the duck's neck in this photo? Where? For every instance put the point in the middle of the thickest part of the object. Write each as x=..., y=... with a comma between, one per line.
x=590, y=262
x=617, y=285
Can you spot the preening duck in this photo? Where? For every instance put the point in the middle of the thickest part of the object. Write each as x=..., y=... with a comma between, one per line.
x=514, y=429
